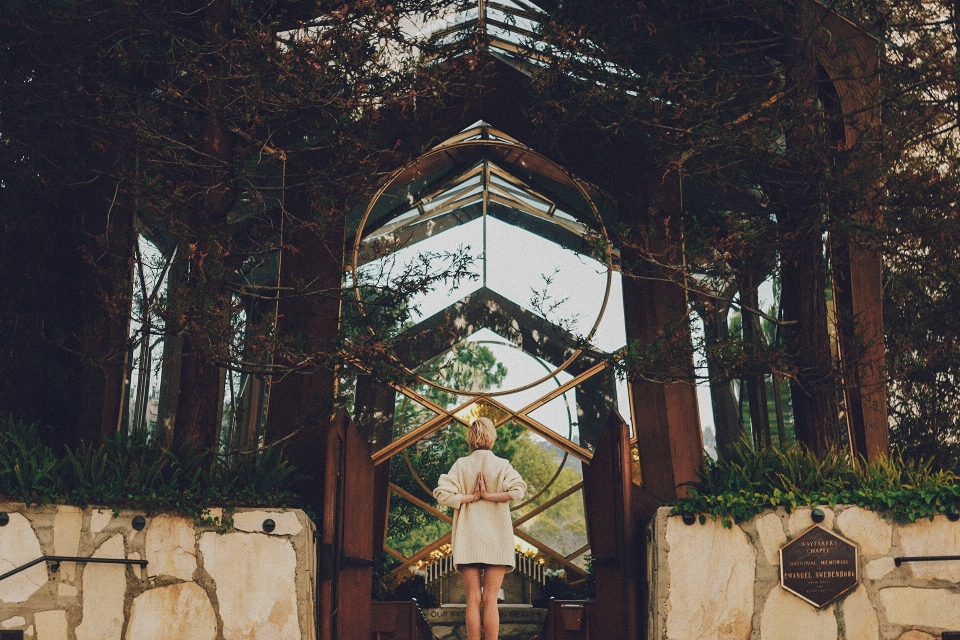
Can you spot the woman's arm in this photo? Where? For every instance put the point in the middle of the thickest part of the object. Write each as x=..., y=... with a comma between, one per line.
x=501, y=496
x=449, y=493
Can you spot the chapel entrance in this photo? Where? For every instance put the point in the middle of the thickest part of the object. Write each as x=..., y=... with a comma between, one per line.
x=521, y=321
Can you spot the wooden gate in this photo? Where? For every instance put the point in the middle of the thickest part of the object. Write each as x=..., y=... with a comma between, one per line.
x=607, y=497
x=346, y=537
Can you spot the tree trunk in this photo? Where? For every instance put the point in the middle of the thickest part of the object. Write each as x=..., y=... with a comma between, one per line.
x=755, y=381
x=726, y=418
x=803, y=264
x=200, y=399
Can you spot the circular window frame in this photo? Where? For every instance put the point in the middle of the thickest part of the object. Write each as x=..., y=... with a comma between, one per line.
x=601, y=228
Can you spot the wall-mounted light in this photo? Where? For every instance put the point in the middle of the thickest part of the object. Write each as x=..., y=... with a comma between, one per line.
x=4, y=518
x=269, y=525
x=689, y=518
x=817, y=515
x=139, y=522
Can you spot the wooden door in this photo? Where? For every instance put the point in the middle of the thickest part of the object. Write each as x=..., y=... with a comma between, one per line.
x=607, y=494
x=346, y=550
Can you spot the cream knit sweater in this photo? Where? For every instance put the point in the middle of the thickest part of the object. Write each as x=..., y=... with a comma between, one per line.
x=482, y=530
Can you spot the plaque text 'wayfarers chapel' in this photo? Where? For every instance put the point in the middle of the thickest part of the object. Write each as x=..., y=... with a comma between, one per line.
x=818, y=566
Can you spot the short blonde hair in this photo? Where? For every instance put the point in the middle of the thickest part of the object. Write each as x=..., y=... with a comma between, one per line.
x=481, y=434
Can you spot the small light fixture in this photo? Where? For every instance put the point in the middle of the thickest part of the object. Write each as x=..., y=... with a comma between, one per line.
x=139, y=522
x=953, y=513
x=817, y=515
x=269, y=525
x=689, y=518
x=4, y=518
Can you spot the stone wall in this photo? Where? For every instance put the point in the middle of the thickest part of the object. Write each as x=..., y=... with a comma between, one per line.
x=710, y=582
x=198, y=584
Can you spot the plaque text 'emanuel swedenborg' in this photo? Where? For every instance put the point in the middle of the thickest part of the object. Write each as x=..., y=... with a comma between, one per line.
x=818, y=566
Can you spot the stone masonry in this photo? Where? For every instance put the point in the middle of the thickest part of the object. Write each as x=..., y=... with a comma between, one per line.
x=240, y=583
x=712, y=583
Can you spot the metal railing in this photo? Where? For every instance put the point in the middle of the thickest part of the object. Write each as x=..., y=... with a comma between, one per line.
x=902, y=559
x=56, y=560
x=530, y=567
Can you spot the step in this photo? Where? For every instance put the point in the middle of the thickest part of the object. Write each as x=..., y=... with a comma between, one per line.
x=517, y=621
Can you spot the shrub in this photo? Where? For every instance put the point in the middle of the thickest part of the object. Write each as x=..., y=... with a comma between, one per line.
x=745, y=482
x=136, y=471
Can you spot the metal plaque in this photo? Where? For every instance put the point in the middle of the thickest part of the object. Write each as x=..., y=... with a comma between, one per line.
x=818, y=566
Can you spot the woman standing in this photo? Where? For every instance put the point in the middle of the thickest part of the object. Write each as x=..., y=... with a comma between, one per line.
x=478, y=488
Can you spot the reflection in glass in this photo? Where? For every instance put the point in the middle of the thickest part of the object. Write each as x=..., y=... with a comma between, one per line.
x=410, y=528
x=562, y=527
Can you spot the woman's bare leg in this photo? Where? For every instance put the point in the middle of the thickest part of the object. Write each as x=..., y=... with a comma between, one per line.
x=492, y=581
x=471, y=584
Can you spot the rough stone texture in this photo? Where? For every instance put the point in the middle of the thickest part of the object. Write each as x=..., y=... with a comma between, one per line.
x=137, y=570
x=16, y=621
x=916, y=635
x=99, y=519
x=180, y=611
x=171, y=547
x=104, y=586
x=772, y=537
x=787, y=617
x=51, y=625
x=67, y=591
x=937, y=538
x=914, y=607
x=18, y=546
x=859, y=619
x=877, y=569
x=800, y=520
x=286, y=521
x=258, y=597
x=871, y=532
x=711, y=571
x=66, y=538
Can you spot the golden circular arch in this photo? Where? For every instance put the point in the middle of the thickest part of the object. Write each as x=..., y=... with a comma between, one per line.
x=571, y=180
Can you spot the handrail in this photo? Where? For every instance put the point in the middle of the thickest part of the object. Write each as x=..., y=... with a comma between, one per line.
x=901, y=560
x=58, y=559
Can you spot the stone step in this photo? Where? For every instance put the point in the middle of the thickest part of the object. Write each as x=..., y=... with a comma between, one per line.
x=517, y=621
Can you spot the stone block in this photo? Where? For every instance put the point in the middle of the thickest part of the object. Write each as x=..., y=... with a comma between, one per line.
x=800, y=520
x=18, y=546
x=711, y=573
x=859, y=618
x=14, y=622
x=104, y=587
x=939, y=537
x=99, y=519
x=67, y=591
x=772, y=537
x=787, y=617
x=179, y=611
x=872, y=533
x=916, y=635
x=51, y=625
x=66, y=538
x=171, y=547
x=915, y=607
x=257, y=597
x=877, y=569
x=287, y=523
